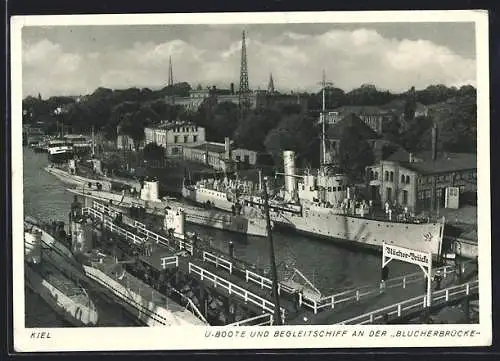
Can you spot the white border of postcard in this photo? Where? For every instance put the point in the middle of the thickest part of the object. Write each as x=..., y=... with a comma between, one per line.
x=192, y=338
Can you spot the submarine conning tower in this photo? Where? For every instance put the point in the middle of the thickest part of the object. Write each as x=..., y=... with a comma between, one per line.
x=150, y=191
x=81, y=233
x=33, y=246
x=174, y=220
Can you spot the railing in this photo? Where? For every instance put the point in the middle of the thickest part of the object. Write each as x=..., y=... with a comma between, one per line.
x=234, y=289
x=113, y=227
x=361, y=292
x=265, y=282
x=183, y=245
x=218, y=261
x=415, y=304
x=265, y=319
x=103, y=209
x=167, y=261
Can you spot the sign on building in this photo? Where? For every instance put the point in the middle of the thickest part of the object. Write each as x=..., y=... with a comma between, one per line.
x=452, y=197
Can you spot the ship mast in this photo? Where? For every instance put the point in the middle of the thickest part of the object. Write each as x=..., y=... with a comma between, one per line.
x=324, y=84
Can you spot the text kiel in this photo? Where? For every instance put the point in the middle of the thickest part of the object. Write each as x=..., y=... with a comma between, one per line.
x=41, y=334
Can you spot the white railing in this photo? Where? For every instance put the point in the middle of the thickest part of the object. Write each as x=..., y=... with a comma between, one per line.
x=167, y=261
x=103, y=209
x=406, y=307
x=354, y=295
x=231, y=288
x=218, y=261
x=265, y=319
x=113, y=227
x=181, y=244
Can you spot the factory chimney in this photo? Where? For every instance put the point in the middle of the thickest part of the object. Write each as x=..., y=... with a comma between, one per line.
x=232, y=88
x=434, y=141
x=227, y=147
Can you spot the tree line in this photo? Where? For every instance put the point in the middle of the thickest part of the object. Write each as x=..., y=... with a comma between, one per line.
x=270, y=129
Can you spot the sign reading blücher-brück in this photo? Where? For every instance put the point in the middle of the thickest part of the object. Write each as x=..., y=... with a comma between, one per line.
x=407, y=255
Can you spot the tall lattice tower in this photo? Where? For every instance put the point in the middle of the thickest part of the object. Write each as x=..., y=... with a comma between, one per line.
x=244, y=94
x=170, y=73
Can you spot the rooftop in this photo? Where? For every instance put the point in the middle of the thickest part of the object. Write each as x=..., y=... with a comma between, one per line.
x=362, y=109
x=211, y=147
x=444, y=163
x=336, y=130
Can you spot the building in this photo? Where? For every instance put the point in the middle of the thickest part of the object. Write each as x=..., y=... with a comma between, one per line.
x=173, y=136
x=213, y=154
x=335, y=133
x=375, y=117
x=420, y=182
x=125, y=142
x=257, y=99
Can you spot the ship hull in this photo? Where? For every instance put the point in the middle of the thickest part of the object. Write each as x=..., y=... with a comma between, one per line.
x=203, y=198
x=424, y=237
x=77, y=180
x=203, y=217
x=73, y=312
x=60, y=157
x=147, y=312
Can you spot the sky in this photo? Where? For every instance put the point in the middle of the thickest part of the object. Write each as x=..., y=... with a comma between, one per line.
x=75, y=60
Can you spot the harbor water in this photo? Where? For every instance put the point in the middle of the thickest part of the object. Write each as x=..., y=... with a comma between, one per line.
x=330, y=266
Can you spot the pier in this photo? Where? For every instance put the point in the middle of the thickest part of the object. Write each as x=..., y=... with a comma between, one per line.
x=247, y=291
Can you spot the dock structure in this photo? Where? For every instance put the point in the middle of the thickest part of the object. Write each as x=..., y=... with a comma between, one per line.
x=242, y=286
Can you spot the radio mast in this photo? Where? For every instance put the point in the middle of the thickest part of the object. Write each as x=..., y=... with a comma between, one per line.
x=324, y=84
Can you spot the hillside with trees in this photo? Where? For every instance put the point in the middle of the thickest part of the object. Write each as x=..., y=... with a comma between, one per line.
x=267, y=130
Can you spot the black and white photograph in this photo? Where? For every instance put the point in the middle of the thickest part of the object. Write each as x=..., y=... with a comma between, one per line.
x=271, y=180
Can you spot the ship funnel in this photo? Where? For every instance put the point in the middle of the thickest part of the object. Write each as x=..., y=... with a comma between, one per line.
x=289, y=168
x=81, y=237
x=174, y=220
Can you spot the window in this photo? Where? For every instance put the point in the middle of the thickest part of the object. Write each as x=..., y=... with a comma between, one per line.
x=389, y=194
x=405, y=198
x=247, y=159
x=329, y=189
x=185, y=139
x=386, y=175
x=402, y=178
x=407, y=179
x=392, y=176
x=376, y=175
x=195, y=138
x=176, y=139
x=238, y=158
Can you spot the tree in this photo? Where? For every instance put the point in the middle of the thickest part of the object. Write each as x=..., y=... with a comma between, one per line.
x=355, y=153
x=153, y=152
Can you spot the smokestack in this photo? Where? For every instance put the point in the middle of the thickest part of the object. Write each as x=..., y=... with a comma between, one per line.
x=289, y=168
x=227, y=147
x=411, y=158
x=232, y=88
x=434, y=141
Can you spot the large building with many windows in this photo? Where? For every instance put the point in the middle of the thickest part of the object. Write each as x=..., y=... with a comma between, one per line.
x=173, y=136
x=420, y=182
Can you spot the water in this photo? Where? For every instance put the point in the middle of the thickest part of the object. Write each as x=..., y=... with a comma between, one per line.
x=330, y=267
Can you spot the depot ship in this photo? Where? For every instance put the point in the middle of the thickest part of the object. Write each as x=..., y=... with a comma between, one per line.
x=65, y=296
x=322, y=203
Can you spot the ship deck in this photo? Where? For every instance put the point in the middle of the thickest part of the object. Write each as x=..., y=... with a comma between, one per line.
x=148, y=293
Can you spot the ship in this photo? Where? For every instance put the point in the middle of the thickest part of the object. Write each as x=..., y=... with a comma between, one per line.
x=322, y=203
x=80, y=261
x=59, y=151
x=88, y=175
x=247, y=221
x=63, y=295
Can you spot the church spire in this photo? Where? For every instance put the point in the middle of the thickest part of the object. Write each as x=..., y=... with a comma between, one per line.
x=270, y=86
